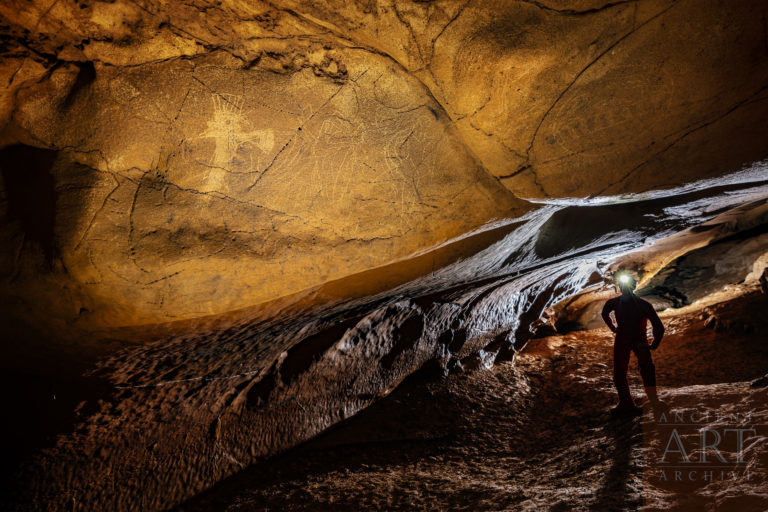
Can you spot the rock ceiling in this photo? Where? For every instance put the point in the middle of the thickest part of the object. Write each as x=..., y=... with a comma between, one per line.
x=313, y=200
x=188, y=159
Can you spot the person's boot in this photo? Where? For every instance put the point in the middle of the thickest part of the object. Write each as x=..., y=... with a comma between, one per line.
x=625, y=409
x=657, y=406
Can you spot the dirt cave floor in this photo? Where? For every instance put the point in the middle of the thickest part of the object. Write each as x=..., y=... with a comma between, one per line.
x=536, y=434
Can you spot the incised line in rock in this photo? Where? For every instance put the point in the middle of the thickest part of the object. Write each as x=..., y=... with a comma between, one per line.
x=701, y=126
x=300, y=127
x=576, y=79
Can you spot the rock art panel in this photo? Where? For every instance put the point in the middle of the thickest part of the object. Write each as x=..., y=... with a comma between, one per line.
x=193, y=186
x=571, y=99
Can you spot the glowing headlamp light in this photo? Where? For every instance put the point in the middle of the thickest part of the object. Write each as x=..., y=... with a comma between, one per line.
x=624, y=278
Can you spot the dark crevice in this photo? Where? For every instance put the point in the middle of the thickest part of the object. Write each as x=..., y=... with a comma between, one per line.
x=677, y=298
x=747, y=234
x=85, y=77
x=259, y=393
x=31, y=193
x=534, y=311
x=575, y=12
x=585, y=224
x=301, y=356
x=405, y=337
x=46, y=402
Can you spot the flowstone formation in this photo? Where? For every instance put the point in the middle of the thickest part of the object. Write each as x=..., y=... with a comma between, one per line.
x=227, y=226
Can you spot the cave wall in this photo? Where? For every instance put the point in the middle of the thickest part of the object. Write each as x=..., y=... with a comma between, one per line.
x=582, y=98
x=208, y=157
x=266, y=215
x=191, y=185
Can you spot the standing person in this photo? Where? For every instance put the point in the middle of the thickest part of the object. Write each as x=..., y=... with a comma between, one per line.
x=632, y=314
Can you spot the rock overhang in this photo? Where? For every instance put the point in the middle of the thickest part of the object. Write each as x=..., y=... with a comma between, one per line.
x=232, y=184
x=203, y=150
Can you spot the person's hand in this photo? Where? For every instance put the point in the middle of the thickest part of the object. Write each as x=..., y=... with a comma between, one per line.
x=654, y=345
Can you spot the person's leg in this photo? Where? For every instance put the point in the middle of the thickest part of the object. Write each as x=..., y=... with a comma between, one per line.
x=621, y=353
x=647, y=370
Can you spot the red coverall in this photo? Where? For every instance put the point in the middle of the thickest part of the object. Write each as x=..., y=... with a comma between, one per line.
x=632, y=314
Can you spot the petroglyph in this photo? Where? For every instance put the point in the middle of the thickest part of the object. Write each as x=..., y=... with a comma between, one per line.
x=235, y=139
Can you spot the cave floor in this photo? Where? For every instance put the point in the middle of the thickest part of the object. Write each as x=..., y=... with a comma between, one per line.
x=536, y=434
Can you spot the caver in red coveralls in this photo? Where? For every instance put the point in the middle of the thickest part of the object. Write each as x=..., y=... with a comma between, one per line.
x=632, y=314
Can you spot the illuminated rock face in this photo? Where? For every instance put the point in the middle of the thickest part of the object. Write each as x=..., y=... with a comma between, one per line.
x=204, y=159
x=299, y=184
x=581, y=98
x=194, y=186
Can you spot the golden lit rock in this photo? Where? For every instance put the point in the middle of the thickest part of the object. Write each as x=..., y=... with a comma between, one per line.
x=582, y=98
x=199, y=185
x=227, y=226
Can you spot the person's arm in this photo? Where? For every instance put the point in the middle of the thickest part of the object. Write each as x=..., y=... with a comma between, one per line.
x=658, y=327
x=606, y=314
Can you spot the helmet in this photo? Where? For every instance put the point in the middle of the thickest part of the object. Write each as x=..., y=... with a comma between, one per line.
x=625, y=281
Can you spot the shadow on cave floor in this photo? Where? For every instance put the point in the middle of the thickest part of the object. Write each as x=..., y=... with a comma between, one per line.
x=533, y=435
x=43, y=397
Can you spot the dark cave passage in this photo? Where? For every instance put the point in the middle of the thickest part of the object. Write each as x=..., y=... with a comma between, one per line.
x=520, y=436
